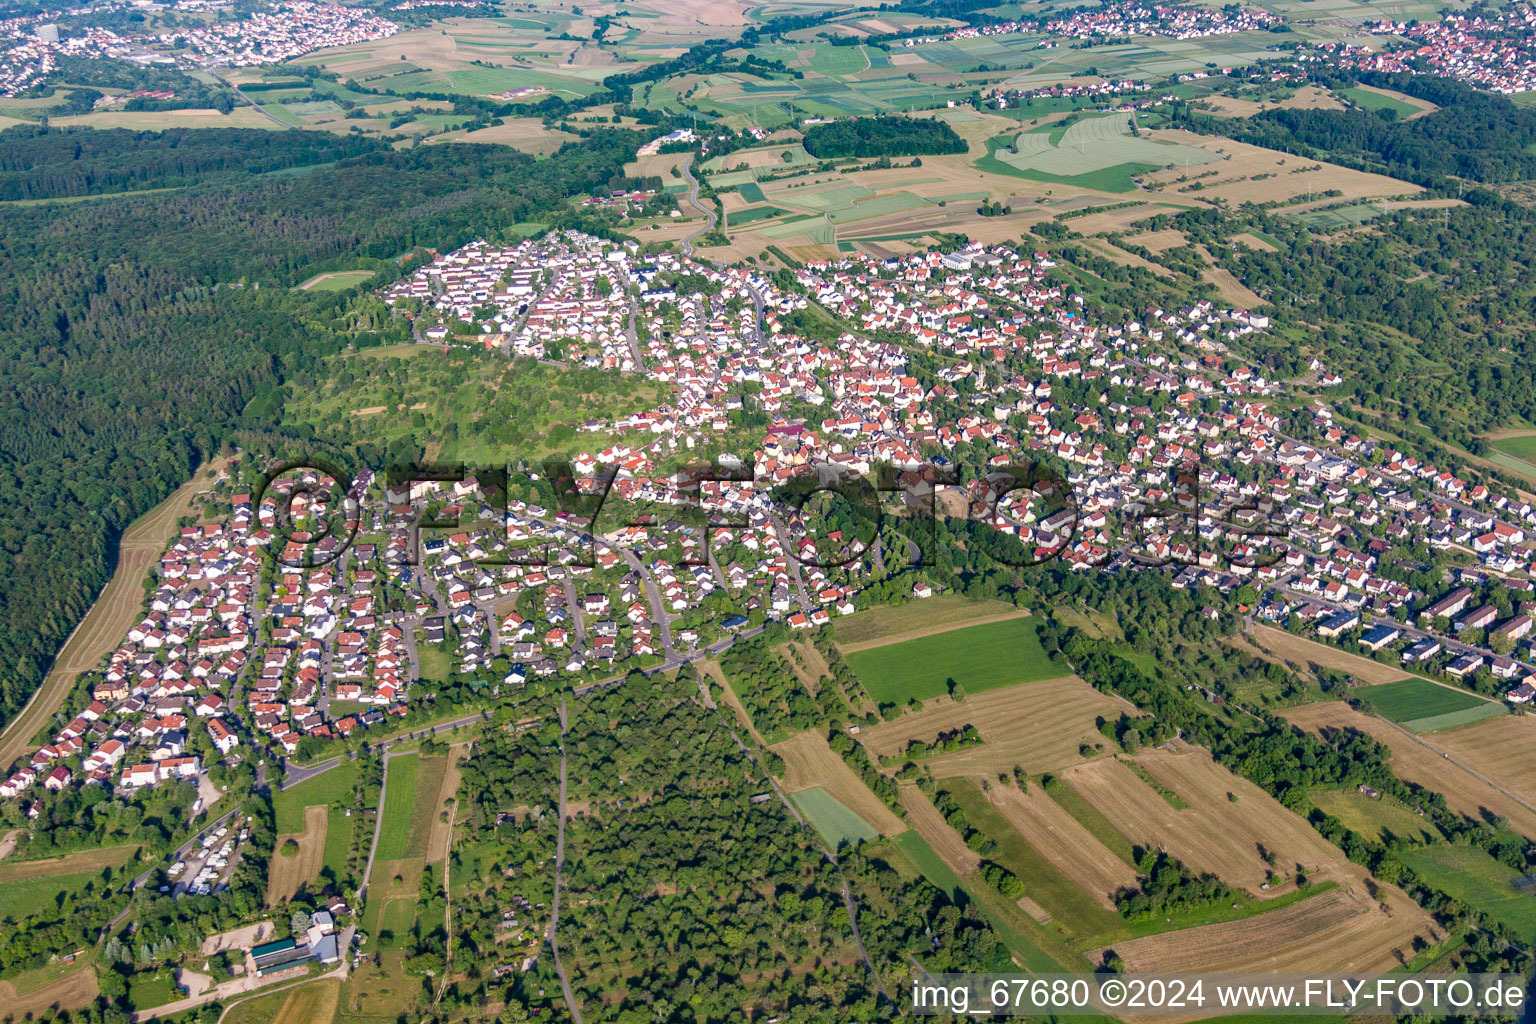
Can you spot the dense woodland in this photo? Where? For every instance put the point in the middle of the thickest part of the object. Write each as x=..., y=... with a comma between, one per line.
x=1474, y=135
x=129, y=356
x=882, y=136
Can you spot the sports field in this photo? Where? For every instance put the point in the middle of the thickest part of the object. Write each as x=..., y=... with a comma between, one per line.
x=1475, y=878
x=836, y=823
x=978, y=658
x=1423, y=706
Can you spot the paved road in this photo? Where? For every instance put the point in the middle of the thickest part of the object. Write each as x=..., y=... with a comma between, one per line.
x=263, y=111
x=693, y=197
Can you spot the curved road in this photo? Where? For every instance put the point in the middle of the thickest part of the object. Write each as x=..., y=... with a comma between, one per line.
x=693, y=197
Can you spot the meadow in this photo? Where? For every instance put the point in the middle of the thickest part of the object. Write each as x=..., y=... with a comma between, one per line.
x=1476, y=879
x=837, y=824
x=1519, y=446
x=329, y=787
x=399, y=802
x=978, y=658
x=1423, y=706
x=1375, y=818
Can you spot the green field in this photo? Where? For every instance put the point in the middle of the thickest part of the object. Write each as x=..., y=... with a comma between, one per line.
x=836, y=823
x=740, y=217
x=1376, y=101
x=979, y=658
x=398, y=918
x=1476, y=879
x=1375, y=818
x=339, y=281
x=399, y=803
x=18, y=899
x=327, y=788
x=1415, y=699
x=338, y=840
x=1452, y=719
x=928, y=862
x=429, y=779
x=1519, y=446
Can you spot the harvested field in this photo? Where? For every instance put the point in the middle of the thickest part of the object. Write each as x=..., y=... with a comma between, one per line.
x=524, y=134
x=1038, y=726
x=1213, y=834
x=1421, y=760
x=1253, y=174
x=1308, y=97
x=1227, y=284
x=1157, y=241
x=809, y=762
x=69, y=864
x=930, y=824
x=1305, y=653
x=115, y=610
x=1064, y=842
x=1339, y=930
x=286, y=875
x=441, y=835
x=72, y=992
x=1486, y=748
x=1253, y=242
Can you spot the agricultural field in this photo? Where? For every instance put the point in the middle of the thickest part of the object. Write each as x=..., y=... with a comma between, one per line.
x=287, y=873
x=893, y=622
x=838, y=825
x=1095, y=152
x=305, y=1004
x=1247, y=173
x=1425, y=760
x=1303, y=654
x=935, y=832
x=1425, y=706
x=1215, y=832
x=1041, y=727
x=1486, y=748
x=1070, y=847
x=810, y=764
x=1340, y=926
x=327, y=788
x=978, y=658
x=1375, y=818
x=1371, y=98
x=1517, y=446
x=395, y=816
x=1472, y=876
x=70, y=864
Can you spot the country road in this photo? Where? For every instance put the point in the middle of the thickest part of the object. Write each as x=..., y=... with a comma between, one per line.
x=263, y=111
x=693, y=197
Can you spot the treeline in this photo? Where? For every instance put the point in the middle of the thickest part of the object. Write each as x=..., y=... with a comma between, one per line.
x=882, y=136
x=135, y=330
x=1475, y=135
x=45, y=163
x=1165, y=885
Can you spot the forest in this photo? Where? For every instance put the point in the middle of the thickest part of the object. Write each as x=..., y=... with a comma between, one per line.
x=138, y=328
x=882, y=136
x=1474, y=135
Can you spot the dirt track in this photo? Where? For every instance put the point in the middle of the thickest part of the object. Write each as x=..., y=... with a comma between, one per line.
x=115, y=610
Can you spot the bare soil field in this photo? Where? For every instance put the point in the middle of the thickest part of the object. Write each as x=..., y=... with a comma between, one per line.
x=72, y=992
x=115, y=610
x=1305, y=653
x=808, y=762
x=1421, y=760
x=1039, y=726
x=1287, y=176
x=238, y=938
x=1342, y=929
x=287, y=874
x=1062, y=841
x=930, y=824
